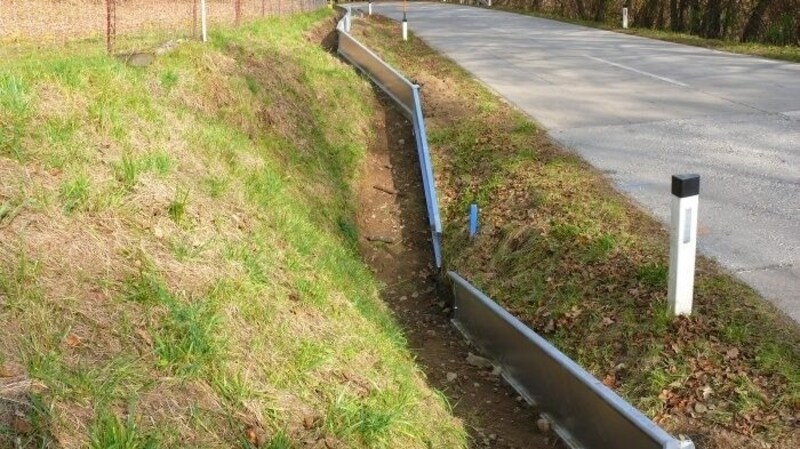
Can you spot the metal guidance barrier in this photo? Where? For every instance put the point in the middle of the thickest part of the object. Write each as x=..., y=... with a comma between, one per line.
x=584, y=412
x=407, y=95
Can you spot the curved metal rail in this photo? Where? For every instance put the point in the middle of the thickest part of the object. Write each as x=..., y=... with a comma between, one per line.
x=407, y=95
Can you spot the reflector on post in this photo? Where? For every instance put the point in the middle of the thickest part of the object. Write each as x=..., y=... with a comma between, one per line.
x=683, y=243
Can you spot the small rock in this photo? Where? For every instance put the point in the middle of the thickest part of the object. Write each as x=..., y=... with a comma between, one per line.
x=451, y=376
x=401, y=141
x=22, y=425
x=403, y=298
x=700, y=407
x=492, y=436
x=496, y=371
x=446, y=310
x=478, y=361
x=543, y=424
x=415, y=295
x=476, y=385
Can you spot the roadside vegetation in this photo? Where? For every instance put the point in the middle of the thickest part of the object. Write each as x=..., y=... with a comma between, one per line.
x=178, y=259
x=789, y=53
x=764, y=21
x=585, y=268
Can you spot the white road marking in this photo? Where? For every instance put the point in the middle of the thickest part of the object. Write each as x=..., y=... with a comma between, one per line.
x=640, y=72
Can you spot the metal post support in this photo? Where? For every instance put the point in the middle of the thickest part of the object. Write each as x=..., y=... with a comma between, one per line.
x=111, y=24
x=473, y=220
x=203, y=21
x=625, y=18
x=683, y=243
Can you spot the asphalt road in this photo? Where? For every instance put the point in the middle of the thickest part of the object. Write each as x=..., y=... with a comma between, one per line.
x=642, y=110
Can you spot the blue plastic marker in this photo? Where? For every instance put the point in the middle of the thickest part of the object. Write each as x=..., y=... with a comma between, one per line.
x=473, y=220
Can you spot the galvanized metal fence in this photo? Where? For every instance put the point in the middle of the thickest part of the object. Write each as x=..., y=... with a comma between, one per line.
x=407, y=95
x=123, y=25
x=584, y=412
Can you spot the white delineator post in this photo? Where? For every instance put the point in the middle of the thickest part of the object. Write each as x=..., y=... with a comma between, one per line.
x=203, y=21
x=683, y=243
x=405, y=27
x=370, y=7
x=625, y=18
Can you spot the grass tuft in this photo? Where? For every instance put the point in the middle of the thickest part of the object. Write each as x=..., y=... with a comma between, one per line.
x=580, y=264
x=192, y=226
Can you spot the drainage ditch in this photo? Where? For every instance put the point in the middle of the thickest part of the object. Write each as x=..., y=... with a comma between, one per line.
x=394, y=241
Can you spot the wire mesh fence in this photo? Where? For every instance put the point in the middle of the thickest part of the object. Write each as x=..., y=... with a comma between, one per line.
x=124, y=25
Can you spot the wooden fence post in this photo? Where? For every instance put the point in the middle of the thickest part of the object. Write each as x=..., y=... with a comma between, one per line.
x=111, y=24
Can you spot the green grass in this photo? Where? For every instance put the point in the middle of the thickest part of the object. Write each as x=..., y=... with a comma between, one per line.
x=178, y=261
x=575, y=260
x=111, y=432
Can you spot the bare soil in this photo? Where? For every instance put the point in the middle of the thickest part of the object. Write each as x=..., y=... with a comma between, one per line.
x=601, y=310
x=395, y=241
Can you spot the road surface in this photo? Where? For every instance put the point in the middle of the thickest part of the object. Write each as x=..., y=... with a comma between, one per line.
x=642, y=110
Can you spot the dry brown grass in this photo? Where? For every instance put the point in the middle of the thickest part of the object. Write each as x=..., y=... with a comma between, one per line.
x=173, y=267
x=586, y=268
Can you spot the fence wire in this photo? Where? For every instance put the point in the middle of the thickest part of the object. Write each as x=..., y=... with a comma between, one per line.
x=124, y=25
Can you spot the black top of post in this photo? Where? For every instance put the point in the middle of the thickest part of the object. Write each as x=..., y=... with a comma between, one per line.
x=685, y=185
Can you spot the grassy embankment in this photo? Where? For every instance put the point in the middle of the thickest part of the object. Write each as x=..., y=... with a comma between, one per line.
x=573, y=258
x=781, y=52
x=177, y=253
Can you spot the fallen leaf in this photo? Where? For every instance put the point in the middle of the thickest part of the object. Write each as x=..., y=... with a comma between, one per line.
x=145, y=336
x=252, y=436
x=22, y=425
x=10, y=369
x=72, y=340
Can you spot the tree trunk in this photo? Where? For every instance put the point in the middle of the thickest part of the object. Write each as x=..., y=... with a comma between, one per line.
x=754, y=23
x=581, y=8
x=711, y=28
x=600, y=10
x=649, y=14
x=683, y=5
x=674, y=15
